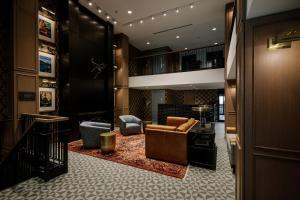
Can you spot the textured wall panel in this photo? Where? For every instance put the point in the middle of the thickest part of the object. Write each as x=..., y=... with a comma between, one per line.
x=140, y=104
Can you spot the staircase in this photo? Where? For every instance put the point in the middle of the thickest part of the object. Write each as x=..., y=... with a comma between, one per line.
x=41, y=152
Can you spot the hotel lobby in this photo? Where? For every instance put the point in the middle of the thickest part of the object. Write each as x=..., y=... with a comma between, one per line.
x=141, y=99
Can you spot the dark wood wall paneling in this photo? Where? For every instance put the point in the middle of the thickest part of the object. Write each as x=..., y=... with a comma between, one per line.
x=272, y=140
x=6, y=53
x=240, y=9
x=21, y=66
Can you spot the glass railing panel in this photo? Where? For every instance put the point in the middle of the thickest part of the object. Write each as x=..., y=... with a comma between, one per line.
x=211, y=57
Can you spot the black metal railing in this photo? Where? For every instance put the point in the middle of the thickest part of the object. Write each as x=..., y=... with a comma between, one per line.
x=42, y=151
x=211, y=57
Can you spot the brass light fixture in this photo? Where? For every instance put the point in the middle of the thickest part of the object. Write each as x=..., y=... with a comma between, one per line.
x=283, y=41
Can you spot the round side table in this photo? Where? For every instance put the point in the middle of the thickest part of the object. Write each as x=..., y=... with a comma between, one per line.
x=108, y=142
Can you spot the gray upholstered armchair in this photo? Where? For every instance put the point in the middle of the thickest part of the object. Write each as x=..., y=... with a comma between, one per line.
x=90, y=132
x=130, y=124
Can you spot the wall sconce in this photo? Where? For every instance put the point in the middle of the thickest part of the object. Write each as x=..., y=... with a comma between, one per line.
x=284, y=41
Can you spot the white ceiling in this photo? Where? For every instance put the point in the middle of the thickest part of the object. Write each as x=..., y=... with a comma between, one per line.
x=205, y=15
x=257, y=8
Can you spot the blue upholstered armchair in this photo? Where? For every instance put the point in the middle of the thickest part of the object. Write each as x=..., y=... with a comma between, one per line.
x=130, y=124
x=90, y=132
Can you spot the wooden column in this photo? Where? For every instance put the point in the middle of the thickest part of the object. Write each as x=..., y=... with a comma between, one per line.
x=230, y=85
x=121, y=76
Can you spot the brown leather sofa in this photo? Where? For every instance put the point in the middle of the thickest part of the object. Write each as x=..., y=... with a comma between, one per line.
x=169, y=142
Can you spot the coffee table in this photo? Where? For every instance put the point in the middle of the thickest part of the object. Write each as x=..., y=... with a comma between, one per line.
x=202, y=150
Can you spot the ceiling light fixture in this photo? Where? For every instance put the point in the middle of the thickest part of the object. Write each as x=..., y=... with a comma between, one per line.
x=191, y=5
x=141, y=21
x=177, y=37
x=177, y=10
x=185, y=48
x=152, y=18
x=107, y=16
x=115, y=22
x=90, y=3
x=148, y=43
x=164, y=14
x=214, y=29
x=130, y=25
x=99, y=10
x=215, y=43
x=129, y=12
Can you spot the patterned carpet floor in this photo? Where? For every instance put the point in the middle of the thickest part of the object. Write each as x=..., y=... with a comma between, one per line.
x=130, y=150
x=93, y=178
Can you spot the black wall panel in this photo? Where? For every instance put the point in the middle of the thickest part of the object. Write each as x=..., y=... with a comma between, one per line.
x=86, y=68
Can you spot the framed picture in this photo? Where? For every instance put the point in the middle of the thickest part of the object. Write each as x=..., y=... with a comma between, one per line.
x=46, y=99
x=46, y=29
x=46, y=64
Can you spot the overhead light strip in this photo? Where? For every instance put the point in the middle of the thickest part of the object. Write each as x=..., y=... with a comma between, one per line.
x=163, y=13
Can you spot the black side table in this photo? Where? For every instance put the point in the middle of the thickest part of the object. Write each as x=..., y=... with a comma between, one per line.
x=202, y=150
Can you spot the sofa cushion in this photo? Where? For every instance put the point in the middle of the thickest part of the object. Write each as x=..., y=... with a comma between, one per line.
x=191, y=121
x=161, y=127
x=176, y=121
x=185, y=126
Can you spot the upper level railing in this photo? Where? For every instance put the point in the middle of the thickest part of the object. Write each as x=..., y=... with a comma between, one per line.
x=211, y=57
x=42, y=151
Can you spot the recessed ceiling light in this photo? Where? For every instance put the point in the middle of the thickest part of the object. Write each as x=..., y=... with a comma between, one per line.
x=115, y=22
x=185, y=48
x=141, y=21
x=214, y=29
x=130, y=25
x=165, y=14
x=191, y=5
x=90, y=3
x=107, y=17
x=148, y=43
x=215, y=43
x=99, y=10
x=152, y=18
x=177, y=37
x=177, y=10
x=129, y=12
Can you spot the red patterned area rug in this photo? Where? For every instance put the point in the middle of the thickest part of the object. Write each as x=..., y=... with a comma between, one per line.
x=130, y=150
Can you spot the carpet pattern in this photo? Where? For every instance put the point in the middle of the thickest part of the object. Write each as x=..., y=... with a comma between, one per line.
x=130, y=150
x=97, y=179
